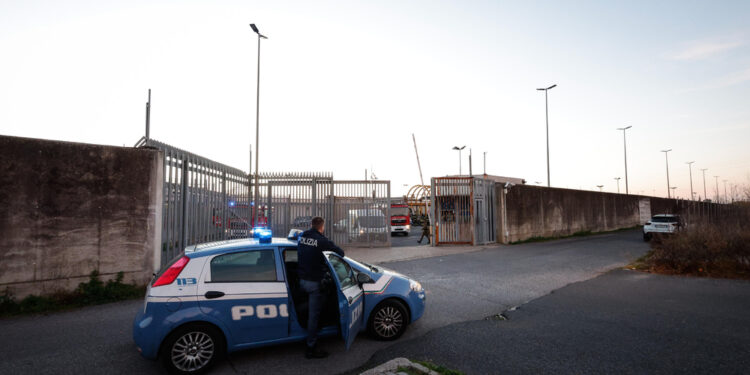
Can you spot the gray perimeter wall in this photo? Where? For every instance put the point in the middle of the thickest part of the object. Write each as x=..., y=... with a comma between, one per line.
x=67, y=209
x=528, y=211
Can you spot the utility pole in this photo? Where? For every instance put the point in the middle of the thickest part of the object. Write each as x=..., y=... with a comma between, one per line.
x=726, y=198
x=546, y=114
x=600, y=187
x=148, y=116
x=667, y=159
x=470, y=172
x=459, y=157
x=705, y=196
x=257, y=129
x=625, y=147
x=690, y=167
x=618, y=184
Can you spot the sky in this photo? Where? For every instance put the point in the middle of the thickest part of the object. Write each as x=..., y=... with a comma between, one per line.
x=345, y=84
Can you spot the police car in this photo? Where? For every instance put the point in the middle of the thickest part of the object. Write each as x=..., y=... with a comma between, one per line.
x=231, y=295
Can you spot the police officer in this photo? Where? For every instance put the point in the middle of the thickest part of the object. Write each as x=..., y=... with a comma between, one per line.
x=311, y=269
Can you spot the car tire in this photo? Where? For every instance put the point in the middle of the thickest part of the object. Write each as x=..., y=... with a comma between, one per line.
x=388, y=320
x=192, y=349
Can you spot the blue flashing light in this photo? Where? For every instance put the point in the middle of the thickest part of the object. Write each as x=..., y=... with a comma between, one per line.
x=232, y=203
x=264, y=235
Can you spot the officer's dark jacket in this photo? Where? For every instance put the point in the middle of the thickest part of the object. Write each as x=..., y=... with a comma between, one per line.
x=311, y=262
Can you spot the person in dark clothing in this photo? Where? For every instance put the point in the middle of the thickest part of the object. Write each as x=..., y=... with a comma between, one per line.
x=311, y=270
x=425, y=231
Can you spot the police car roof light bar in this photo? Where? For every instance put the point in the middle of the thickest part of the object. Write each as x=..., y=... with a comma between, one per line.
x=172, y=272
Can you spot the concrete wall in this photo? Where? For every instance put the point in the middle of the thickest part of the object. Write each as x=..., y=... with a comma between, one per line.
x=67, y=209
x=533, y=211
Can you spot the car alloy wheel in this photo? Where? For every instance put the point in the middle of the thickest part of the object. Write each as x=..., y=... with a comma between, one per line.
x=192, y=351
x=388, y=321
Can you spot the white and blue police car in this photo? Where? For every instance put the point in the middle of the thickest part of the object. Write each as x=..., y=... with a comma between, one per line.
x=232, y=295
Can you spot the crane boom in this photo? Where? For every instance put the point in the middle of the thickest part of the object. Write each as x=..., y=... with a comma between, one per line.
x=418, y=163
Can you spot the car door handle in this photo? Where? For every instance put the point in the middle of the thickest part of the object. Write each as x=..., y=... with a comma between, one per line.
x=214, y=294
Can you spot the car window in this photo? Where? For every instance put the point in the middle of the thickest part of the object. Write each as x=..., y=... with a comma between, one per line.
x=343, y=271
x=664, y=219
x=290, y=254
x=256, y=265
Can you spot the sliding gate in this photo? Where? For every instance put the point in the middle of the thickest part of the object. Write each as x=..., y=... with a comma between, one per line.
x=464, y=210
x=357, y=213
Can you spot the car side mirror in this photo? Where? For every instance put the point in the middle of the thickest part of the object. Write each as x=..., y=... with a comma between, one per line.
x=364, y=278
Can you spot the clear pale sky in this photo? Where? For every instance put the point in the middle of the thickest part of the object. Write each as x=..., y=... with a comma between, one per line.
x=345, y=84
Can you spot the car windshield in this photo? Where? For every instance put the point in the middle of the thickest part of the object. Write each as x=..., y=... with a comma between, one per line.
x=664, y=219
x=372, y=221
x=362, y=264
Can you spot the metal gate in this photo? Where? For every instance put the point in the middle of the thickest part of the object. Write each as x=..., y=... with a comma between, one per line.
x=464, y=210
x=357, y=213
x=203, y=200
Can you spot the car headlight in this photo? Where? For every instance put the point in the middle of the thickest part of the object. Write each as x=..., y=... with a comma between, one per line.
x=408, y=226
x=416, y=286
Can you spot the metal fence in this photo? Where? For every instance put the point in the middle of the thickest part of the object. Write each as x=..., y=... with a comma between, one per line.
x=206, y=201
x=357, y=213
x=464, y=210
x=203, y=200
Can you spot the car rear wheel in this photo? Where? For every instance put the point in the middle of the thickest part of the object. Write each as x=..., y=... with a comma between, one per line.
x=192, y=349
x=388, y=320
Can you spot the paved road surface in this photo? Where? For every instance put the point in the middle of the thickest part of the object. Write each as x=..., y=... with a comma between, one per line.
x=400, y=240
x=623, y=322
x=460, y=287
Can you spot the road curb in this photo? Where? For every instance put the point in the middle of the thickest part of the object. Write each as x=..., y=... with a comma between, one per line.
x=392, y=366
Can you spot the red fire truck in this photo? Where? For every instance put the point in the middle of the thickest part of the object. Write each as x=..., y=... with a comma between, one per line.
x=400, y=219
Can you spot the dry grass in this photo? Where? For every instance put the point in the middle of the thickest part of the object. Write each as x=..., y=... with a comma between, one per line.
x=712, y=250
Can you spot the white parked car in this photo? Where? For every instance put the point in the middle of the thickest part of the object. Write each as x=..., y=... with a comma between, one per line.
x=662, y=224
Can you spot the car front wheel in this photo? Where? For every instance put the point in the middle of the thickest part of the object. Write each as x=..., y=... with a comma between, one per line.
x=192, y=349
x=388, y=320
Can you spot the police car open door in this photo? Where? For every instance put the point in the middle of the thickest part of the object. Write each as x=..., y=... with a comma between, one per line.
x=351, y=299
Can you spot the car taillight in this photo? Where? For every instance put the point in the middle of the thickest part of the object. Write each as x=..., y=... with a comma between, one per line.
x=172, y=272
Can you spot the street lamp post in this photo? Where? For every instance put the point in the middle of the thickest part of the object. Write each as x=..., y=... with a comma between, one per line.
x=546, y=114
x=459, y=157
x=667, y=159
x=726, y=198
x=600, y=187
x=257, y=129
x=618, y=184
x=625, y=147
x=690, y=167
x=705, y=196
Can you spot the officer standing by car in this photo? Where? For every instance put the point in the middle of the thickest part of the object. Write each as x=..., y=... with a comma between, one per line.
x=311, y=269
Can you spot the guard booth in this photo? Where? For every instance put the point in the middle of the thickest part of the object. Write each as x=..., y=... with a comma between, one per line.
x=463, y=209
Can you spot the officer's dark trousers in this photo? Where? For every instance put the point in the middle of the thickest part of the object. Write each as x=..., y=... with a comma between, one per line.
x=315, y=306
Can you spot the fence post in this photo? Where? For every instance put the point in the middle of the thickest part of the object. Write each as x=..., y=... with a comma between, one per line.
x=184, y=196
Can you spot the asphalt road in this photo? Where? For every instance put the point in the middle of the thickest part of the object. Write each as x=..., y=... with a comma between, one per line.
x=461, y=287
x=623, y=322
x=400, y=240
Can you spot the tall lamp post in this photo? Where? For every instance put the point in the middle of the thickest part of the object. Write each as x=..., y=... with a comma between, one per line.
x=600, y=187
x=667, y=159
x=625, y=147
x=618, y=184
x=459, y=157
x=257, y=129
x=726, y=198
x=705, y=196
x=546, y=114
x=690, y=167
